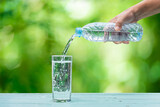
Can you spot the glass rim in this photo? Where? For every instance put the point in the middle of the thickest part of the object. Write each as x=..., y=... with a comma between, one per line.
x=61, y=55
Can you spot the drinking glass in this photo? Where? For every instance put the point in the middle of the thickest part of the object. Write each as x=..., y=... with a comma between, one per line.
x=61, y=78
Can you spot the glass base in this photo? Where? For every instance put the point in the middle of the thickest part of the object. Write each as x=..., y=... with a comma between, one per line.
x=61, y=100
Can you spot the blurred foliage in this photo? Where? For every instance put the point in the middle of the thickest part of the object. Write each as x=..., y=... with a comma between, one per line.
x=33, y=30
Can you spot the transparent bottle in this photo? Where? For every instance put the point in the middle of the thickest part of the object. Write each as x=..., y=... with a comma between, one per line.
x=103, y=32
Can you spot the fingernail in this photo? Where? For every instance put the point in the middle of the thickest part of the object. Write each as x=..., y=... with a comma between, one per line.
x=117, y=28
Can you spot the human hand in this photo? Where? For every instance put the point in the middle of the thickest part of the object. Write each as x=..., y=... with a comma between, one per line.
x=125, y=17
x=139, y=11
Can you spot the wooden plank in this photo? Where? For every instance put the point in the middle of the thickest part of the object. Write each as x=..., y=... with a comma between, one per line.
x=81, y=100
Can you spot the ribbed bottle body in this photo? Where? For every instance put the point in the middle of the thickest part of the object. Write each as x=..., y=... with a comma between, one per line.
x=102, y=32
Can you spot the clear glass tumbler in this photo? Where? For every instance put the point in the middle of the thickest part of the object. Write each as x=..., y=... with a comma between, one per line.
x=61, y=78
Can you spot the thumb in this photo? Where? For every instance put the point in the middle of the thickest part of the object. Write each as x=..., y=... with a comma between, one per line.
x=118, y=26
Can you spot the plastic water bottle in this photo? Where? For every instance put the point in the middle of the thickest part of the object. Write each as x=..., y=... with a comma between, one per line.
x=102, y=32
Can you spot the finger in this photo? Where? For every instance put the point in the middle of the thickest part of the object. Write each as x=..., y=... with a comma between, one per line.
x=126, y=42
x=118, y=26
x=117, y=42
x=134, y=22
x=114, y=20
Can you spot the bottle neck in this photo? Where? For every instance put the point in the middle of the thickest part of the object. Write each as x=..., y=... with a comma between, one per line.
x=78, y=32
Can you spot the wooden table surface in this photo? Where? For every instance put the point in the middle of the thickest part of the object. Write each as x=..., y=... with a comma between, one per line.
x=81, y=100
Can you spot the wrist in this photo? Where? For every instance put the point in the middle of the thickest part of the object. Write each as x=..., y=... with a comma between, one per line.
x=139, y=9
x=134, y=12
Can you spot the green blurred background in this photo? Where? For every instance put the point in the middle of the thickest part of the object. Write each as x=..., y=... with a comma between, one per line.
x=33, y=30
